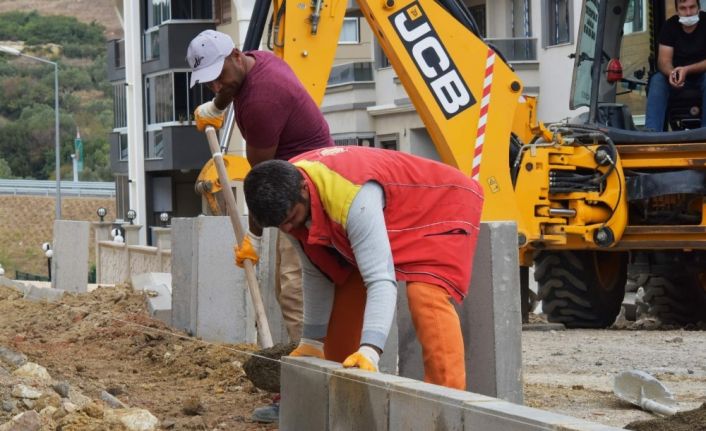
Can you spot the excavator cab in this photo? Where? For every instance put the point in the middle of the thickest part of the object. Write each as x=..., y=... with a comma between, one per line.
x=624, y=35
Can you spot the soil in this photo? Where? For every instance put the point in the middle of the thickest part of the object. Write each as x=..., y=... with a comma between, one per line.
x=104, y=341
x=682, y=421
x=263, y=371
x=572, y=371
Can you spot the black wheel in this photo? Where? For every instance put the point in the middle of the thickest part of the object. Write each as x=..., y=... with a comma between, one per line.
x=676, y=293
x=581, y=289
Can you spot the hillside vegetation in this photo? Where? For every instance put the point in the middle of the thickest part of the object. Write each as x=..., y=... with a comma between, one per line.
x=27, y=96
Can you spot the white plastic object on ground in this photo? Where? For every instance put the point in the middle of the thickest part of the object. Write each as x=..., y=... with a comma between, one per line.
x=642, y=389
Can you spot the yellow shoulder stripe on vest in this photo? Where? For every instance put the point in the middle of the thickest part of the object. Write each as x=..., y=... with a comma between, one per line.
x=335, y=191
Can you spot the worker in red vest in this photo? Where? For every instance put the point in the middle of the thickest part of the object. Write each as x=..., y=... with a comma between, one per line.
x=364, y=218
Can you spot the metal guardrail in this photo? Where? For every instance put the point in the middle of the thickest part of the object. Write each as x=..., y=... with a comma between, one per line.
x=48, y=188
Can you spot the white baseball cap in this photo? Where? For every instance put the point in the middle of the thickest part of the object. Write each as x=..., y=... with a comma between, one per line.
x=206, y=54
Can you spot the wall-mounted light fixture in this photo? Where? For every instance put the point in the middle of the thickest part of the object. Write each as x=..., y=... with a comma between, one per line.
x=49, y=253
x=131, y=215
x=101, y=213
x=164, y=218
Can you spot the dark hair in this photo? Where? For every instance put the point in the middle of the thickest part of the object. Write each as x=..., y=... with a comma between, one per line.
x=676, y=3
x=272, y=188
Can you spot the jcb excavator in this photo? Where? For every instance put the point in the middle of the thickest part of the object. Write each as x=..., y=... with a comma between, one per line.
x=590, y=196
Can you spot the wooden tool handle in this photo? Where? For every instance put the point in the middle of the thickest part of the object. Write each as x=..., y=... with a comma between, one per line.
x=263, y=329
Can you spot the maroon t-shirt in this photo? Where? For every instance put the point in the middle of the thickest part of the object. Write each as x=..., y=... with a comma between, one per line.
x=273, y=108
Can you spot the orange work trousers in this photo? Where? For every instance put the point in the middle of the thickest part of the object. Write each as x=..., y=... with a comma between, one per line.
x=435, y=321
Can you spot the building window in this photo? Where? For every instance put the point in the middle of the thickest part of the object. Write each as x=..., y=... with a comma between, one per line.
x=350, y=72
x=478, y=14
x=159, y=11
x=119, y=52
x=119, y=105
x=387, y=142
x=222, y=11
x=159, y=98
x=154, y=144
x=358, y=141
x=381, y=60
x=122, y=196
x=350, y=33
x=192, y=9
x=150, y=44
x=168, y=98
x=635, y=17
x=122, y=144
x=557, y=26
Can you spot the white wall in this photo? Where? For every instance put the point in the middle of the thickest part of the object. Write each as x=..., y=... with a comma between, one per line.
x=555, y=69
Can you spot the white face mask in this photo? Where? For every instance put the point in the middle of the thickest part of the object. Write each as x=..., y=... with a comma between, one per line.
x=689, y=20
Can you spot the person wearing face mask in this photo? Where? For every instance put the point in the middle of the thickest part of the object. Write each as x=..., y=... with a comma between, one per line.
x=681, y=58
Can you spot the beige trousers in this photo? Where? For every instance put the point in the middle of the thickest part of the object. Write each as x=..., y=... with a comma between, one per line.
x=288, y=286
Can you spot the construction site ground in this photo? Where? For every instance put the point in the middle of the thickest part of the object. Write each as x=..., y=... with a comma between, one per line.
x=105, y=341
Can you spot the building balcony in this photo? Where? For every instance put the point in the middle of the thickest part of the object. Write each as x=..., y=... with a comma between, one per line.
x=172, y=147
x=162, y=49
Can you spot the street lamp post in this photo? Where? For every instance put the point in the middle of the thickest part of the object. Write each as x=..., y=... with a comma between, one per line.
x=13, y=51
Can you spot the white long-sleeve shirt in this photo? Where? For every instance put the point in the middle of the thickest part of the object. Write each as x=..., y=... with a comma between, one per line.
x=367, y=235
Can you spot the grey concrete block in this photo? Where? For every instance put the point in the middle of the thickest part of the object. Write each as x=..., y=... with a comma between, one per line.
x=409, y=349
x=159, y=302
x=505, y=416
x=388, y=360
x=20, y=287
x=305, y=393
x=147, y=279
x=210, y=295
x=359, y=400
x=184, y=275
x=423, y=406
x=267, y=276
x=490, y=316
x=70, y=260
x=44, y=294
x=132, y=233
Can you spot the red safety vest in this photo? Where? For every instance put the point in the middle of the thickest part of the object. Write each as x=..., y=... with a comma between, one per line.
x=432, y=214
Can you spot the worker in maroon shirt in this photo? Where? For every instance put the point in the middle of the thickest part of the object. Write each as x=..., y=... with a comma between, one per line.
x=278, y=120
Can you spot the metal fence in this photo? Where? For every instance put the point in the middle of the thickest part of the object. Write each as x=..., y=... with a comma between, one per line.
x=48, y=188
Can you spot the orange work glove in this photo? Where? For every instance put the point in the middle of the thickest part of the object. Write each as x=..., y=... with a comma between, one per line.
x=366, y=358
x=309, y=347
x=249, y=249
x=208, y=114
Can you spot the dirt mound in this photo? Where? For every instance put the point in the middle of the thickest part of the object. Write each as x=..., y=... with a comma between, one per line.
x=263, y=369
x=105, y=341
x=691, y=420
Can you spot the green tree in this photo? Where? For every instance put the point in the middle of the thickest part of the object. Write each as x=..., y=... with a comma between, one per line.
x=27, y=96
x=5, y=171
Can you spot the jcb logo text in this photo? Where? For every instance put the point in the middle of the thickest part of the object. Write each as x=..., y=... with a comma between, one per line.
x=433, y=62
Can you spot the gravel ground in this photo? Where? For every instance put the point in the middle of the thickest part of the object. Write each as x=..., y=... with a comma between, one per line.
x=572, y=371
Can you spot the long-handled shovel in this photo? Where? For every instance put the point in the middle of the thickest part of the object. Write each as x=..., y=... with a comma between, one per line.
x=263, y=329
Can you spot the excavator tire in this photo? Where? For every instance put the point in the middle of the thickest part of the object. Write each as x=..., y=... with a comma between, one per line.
x=676, y=296
x=581, y=289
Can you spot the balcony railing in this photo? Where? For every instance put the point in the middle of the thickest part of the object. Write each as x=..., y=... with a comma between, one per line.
x=515, y=49
x=350, y=72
